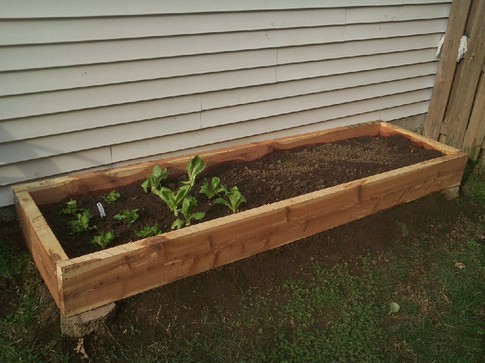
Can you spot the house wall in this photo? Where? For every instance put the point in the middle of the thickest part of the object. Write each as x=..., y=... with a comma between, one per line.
x=121, y=81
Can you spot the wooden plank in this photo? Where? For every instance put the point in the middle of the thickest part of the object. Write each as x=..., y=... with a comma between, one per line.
x=41, y=242
x=466, y=78
x=209, y=245
x=388, y=129
x=446, y=69
x=475, y=133
x=92, y=280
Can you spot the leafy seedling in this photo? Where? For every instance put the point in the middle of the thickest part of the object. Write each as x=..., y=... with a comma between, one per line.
x=194, y=168
x=174, y=200
x=104, y=239
x=81, y=224
x=152, y=183
x=112, y=197
x=213, y=188
x=128, y=217
x=70, y=208
x=149, y=231
x=189, y=205
x=233, y=199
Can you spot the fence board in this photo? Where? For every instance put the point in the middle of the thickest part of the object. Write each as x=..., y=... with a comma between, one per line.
x=466, y=78
x=446, y=69
x=456, y=115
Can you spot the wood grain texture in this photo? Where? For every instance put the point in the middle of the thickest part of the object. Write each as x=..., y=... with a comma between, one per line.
x=467, y=77
x=41, y=242
x=446, y=68
x=93, y=280
x=475, y=133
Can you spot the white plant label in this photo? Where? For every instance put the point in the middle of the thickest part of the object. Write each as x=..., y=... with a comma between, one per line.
x=102, y=213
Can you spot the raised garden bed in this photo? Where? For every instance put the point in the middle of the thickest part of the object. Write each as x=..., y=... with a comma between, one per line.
x=92, y=280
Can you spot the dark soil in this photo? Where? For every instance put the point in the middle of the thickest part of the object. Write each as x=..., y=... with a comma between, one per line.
x=277, y=176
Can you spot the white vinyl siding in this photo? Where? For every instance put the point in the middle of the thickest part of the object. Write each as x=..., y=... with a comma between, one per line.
x=120, y=81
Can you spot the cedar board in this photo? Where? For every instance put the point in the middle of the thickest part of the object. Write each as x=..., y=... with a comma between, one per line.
x=86, y=282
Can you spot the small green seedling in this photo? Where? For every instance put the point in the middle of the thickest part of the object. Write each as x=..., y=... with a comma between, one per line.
x=128, y=217
x=81, y=224
x=213, y=188
x=233, y=201
x=104, y=239
x=152, y=183
x=112, y=197
x=174, y=200
x=189, y=205
x=70, y=208
x=194, y=168
x=149, y=231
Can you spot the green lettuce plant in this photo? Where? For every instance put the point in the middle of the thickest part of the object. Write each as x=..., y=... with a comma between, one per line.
x=81, y=224
x=104, y=239
x=212, y=188
x=70, y=208
x=188, y=211
x=174, y=200
x=152, y=183
x=128, y=217
x=232, y=199
x=194, y=168
x=112, y=197
x=149, y=231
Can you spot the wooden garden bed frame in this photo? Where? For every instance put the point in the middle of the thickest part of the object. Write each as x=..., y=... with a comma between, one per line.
x=83, y=283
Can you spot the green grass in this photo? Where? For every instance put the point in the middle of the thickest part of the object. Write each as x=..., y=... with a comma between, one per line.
x=20, y=337
x=340, y=315
x=13, y=259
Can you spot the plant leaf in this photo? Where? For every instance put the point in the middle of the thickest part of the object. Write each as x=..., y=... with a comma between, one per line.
x=177, y=224
x=194, y=168
x=198, y=216
x=393, y=307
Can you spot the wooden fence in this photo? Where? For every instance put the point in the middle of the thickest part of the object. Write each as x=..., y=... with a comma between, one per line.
x=456, y=113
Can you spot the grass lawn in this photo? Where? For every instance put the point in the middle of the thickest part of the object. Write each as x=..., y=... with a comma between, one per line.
x=419, y=297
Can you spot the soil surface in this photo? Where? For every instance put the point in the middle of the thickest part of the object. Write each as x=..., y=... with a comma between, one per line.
x=277, y=176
